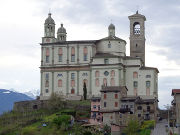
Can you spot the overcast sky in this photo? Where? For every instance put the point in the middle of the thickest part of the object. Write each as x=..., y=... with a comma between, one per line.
x=21, y=29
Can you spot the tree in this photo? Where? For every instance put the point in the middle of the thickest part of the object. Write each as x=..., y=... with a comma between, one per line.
x=84, y=91
x=55, y=102
x=132, y=128
x=107, y=130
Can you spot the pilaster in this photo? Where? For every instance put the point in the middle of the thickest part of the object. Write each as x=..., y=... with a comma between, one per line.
x=78, y=54
x=77, y=82
x=67, y=54
x=67, y=83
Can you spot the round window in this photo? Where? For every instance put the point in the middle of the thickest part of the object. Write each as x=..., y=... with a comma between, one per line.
x=106, y=73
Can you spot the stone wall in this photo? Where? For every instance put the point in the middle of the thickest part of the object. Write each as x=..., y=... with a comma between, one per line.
x=32, y=105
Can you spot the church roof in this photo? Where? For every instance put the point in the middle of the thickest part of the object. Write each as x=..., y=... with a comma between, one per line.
x=49, y=20
x=111, y=26
x=112, y=38
x=149, y=68
x=137, y=15
x=61, y=29
x=175, y=91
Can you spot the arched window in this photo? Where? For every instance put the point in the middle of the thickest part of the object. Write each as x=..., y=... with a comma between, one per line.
x=135, y=91
x=97, y=74
x=59, y=83
x=72, y=54
x=112, y=82
x=72, y=83
x=97, y=82
x=135, y=74
x=85, y=81
x=148, y=91
x=112, y=73
x=85, y=51
x=136, y=27
x=105, y=82
x=60, y=52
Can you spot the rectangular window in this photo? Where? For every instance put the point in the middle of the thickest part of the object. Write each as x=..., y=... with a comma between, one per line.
x=148, y=76
x=135, y=83
x=104, y=96
x=116, y=96
x=99, y=107
x=106, y=61
x=72, y=58
x=94, y=106
x=116, y=104
x=85, y=57
x=139, y=115
x=60, y=58
x=104, y=104
x=47, y=90
x=139, y=107
x=47, y=59
x=72, y=83
x=148, y=108
x=47, y=83
x=72, y=75
x=148, y=83
x=47, y=76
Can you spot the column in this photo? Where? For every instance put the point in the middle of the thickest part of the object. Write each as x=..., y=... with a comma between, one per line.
x=124, y=76
x=42, y=55
x=67, y=54
x=77, y=82
x=90, y=87
x=41, y=94
x=67, y=82
x=52, y=82
x=78, y=54
x=119, y=76
x=53, y=55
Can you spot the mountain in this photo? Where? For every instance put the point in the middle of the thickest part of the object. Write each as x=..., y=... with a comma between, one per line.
x=32, y=93
x=7, y=99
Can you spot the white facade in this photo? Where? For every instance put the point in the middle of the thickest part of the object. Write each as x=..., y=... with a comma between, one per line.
x=66, y=65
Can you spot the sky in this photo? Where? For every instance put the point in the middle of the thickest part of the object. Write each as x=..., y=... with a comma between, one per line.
x=22, y=26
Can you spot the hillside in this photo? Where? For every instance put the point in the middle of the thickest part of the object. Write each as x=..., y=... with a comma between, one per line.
x=57, y=119
x=7, y=99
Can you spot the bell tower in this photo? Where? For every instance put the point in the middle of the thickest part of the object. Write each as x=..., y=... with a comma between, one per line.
x=49, y=30
x=137, y=36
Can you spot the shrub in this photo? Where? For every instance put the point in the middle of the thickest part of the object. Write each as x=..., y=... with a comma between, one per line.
x=62, y=119
x=148, y=124
x=132, y=128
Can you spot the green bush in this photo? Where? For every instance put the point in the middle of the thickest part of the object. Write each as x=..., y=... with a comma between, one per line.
x=145, y=132
x=132, y=128
x=62, y=119
x=148, y=124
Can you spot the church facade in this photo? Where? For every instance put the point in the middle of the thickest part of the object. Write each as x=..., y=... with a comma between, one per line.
x=67, y=65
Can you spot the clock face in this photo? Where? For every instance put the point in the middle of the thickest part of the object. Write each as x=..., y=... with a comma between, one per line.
x=106, y=73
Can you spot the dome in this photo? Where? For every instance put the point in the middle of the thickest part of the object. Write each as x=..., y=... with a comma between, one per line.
x=49, y=20
x=111, y=26
x=61, y=29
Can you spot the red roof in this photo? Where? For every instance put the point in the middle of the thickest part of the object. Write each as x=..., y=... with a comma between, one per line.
x=175, y=91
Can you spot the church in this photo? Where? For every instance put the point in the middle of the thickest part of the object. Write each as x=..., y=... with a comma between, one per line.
x=67, y=65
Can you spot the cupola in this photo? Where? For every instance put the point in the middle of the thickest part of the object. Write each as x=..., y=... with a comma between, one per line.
x=49, y=27
x=61, y=33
